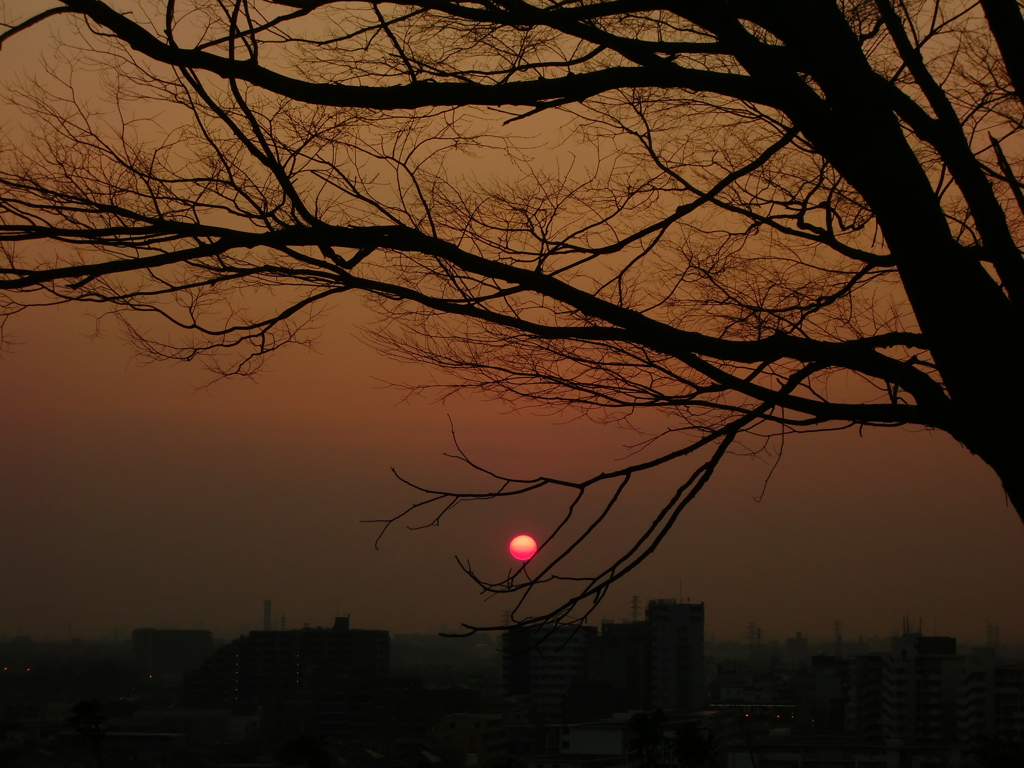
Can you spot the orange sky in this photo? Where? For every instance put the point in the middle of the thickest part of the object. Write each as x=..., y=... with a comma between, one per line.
x=131, y=499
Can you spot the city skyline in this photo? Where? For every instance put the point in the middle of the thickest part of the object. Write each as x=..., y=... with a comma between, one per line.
x=753, y=636
x=495, y=697
x=818, y=637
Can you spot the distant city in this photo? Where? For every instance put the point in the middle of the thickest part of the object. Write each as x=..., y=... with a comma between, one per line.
x=647, y=692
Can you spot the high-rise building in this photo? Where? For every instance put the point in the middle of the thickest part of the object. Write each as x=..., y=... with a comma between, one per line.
x=540, y=664
x=920, y=690
x=864, y=714
x=921, y=693
x=618, y=659
x=991, y=701
x=911, y=694
x=264, y=667
x=559, y=671
x=675, y=657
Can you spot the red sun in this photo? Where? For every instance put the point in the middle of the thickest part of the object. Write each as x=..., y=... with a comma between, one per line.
x=522, y=547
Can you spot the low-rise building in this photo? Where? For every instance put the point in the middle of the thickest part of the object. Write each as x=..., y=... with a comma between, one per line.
x=472, y=739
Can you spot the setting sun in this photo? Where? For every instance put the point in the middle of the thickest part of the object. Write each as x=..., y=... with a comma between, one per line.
x=523, y=547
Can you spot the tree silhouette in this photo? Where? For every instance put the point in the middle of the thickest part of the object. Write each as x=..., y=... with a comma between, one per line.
x=89, y=722
x=695, y=746
x=750, y=218
x=647, y=738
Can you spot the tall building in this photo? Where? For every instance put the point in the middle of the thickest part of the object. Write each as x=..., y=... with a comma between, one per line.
x=920, y=690
x=539, y=666
x=554, y=672
x=163, y=655
x=266, y=667
x=1008, y=695
x=991, y=701
x=618, y=659
x=911, y=694
x=864, y=704
x=675, y=657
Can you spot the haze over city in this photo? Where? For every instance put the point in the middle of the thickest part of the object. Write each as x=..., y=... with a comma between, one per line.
x=135, y=497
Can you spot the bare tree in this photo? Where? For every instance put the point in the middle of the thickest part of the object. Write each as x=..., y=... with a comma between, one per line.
x=749, y=217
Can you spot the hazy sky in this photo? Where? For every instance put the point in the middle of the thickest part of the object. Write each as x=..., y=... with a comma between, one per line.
x=130, y=498
x=133, y=499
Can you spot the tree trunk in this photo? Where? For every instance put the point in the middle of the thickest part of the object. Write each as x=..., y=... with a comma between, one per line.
x=1001, y=446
